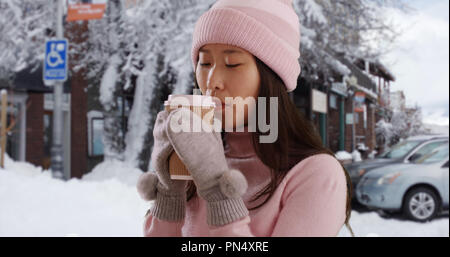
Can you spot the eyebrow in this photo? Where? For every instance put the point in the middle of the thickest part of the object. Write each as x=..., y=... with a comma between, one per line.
x=228, y=51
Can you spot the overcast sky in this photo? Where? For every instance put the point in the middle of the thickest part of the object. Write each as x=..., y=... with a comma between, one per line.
x=420, y=61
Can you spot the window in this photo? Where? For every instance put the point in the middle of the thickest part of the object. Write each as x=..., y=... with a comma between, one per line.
x=97, y=141
x=95, y=133
x=445, y=165
x=427, y=152
x=333, y=101
x=400, y=149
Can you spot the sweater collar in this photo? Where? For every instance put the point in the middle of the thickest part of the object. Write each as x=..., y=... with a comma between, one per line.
x=239, y=144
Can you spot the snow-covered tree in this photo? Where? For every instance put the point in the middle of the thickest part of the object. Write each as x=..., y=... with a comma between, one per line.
x=415, y=123
x=352, y=28
x=24, y=27
x=163, y=33
x=403, y=124
x=147, y=48
x=108, y=50
x=384, y=133
x=149, y=45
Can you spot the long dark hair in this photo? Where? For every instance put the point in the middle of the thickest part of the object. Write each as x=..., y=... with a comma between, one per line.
x=297, y=140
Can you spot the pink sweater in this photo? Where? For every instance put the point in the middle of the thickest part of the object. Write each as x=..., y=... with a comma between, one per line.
x=310, y=201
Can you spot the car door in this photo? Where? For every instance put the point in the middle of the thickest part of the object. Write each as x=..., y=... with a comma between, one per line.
x=445, y=178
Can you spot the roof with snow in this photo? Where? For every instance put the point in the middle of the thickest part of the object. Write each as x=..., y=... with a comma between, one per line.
x=363, y=80
x=377, y=69
x=30, y=80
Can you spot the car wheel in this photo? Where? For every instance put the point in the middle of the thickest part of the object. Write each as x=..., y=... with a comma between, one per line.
x=421, y=204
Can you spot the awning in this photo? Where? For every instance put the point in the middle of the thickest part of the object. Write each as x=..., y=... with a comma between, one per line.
x=30, y=80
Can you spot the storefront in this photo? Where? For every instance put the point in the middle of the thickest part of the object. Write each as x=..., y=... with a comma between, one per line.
x=30, y=109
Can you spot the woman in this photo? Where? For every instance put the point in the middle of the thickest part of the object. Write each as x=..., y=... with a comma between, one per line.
x=242, y=186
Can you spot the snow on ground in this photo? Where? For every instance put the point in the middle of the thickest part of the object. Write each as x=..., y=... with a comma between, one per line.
x=106, y=203
x=369, y=224
x=34, y=204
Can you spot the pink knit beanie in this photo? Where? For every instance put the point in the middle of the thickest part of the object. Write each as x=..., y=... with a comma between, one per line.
x=269, y=29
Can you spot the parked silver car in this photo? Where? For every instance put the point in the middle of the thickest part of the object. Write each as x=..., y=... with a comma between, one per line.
x=419, y=189
x=404, y=152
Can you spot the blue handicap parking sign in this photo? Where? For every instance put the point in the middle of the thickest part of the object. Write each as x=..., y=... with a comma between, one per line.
x=55, y=62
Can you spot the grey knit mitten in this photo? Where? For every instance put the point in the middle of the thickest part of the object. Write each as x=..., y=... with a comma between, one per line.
x=203, y=154
x=170, y=195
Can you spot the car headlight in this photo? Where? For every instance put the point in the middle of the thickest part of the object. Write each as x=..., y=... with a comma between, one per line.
x=388, y=179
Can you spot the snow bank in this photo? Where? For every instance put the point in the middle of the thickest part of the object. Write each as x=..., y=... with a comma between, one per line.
x=113, y=169
x=24, y=168
x=343, y=155
x=356, y=156
x=34, y=204
x=362, y=147
x=372, y=154
x=106, y=203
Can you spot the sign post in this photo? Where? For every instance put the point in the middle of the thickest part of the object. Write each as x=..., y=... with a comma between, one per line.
x=3, y=134
x=55, y=73
x=55, y=62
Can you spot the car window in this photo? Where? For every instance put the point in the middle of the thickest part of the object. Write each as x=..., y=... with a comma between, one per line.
x=445, y=165
x=436, y=155
x=427, y=148
x=399, y=150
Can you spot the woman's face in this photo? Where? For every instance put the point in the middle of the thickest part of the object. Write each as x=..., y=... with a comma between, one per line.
x=229, y=71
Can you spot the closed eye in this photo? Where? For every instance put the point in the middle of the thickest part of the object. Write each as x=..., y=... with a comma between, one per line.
x=233, y=66
x=228, y=65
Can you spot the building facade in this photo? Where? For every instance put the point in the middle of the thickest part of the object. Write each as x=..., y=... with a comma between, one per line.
x=354, y=104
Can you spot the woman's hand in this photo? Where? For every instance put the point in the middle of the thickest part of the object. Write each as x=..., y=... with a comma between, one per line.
x=170, y=194
x=203, y=155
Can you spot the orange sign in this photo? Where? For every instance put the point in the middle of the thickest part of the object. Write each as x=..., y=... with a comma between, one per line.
x=360, y=99
x=85, y=9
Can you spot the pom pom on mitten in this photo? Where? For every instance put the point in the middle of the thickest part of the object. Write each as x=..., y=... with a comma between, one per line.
x=233, y=184
x=146, y=186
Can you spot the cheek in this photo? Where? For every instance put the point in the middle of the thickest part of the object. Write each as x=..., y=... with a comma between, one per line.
x=244, y=86
x=201, y=79
x=246, y=83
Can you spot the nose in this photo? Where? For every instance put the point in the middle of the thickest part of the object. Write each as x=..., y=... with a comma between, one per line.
x=216, y=81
